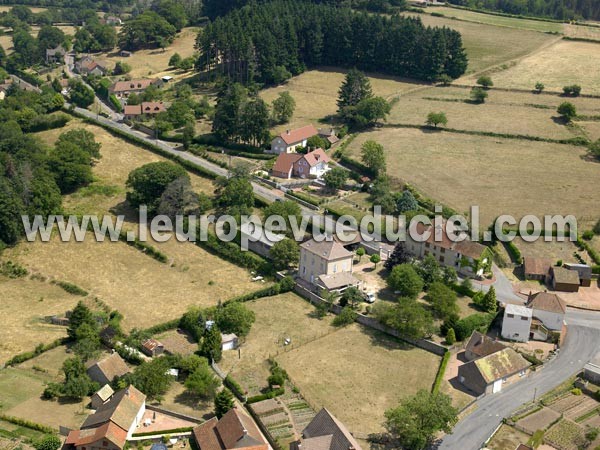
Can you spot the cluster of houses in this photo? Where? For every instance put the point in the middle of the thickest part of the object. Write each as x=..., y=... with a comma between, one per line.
x=490, y=365
x=566, y=278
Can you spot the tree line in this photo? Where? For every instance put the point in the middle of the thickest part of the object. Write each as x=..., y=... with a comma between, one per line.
x=555, y=9
x=269, y=43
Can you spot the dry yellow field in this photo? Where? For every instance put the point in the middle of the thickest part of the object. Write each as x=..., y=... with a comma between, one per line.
x=34, y=9
x=566, y=62
x=155, y=62
x=489, y=45
x=502, y=176
x=145, y=291
x=582, y=32
x=592, y=129
x=501, y=113
x=277, y=318
x=316, y=93
x=25, y=303
x=358, y=374
x=554, y=250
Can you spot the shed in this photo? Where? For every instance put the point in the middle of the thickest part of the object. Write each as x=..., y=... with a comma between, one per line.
x=564, y=280
x=106, y=370
x=583, y=271
x=229, y=341
x=591, y=370
x=152, y=347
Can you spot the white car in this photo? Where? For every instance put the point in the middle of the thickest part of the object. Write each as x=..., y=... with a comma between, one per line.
x=370, y=297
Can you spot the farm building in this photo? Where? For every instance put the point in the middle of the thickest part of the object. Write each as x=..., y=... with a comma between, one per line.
x=487, y=375
x=101, y=396
x=291, y=140
x=516, y=325
x=591, y=371
x=562, y=279
x=325, y=432
x=258, y=240
x=107, y=369
x=536, y=268
x=235, y=430
x=583, y=271
x=112, y=424
x=229, y=341
x=314, y=165
x=480, y=345
x=152, y=347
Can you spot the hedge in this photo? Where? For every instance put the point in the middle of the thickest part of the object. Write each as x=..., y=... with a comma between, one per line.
x=513, y=251
x=278, y=288
x=271, y=394
x=440, y=374
x=162, y=327
x=48, y=122
x=304, y=198
x=234, y=387
x=164, y=432
x=465, y=327
x=42, y=348
x=234, y=254
x=71, y=288
x=143, y=247
x=28, y=424
x=592, y=252
x=211, y=139
x=114, y=101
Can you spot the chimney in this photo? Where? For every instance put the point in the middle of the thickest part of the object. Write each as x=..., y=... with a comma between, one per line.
x=245, y=432
x=127, y=392
x=287, y=132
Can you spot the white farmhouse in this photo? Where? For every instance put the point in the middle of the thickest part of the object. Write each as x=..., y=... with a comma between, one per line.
x=516, y=325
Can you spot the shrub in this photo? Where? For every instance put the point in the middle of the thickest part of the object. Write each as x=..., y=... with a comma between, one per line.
x=234, y=387
x=485, y=81
x=478, y=95
x=576, y=391
x=12, y=270
x=573, y=90
x=567, y=111
x=539, y=87
x=346, y=317
x=465, y=327
x=71, y=288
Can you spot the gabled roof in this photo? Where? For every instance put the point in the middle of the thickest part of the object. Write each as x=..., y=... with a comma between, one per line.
x=501, y=364
x=315, y=157
x=108, y=431
x=105, y=392
x=132, y=110
x=326, y=432
x=285, y=162
x=140, y=84
x=536, y=266
x=482, y=345
x=121, y=409
x=547, y=302
x=298, y=135
x=330, y=250
x=235, y=430
x=151, y=344
x=112, y=366
x=469, y=248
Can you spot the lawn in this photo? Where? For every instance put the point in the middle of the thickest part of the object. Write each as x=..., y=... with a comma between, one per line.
x=316, y=93
x=358, y=374
x=491, y=19
x=25, y=303
x=489, y=45
x=502, y=176
x=501, y=113
x=178, y=400
x=554, y=250
x=277, y=318
x=564, y=63
x=155, y=62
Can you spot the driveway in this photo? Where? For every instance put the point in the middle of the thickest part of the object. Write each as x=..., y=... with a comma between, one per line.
x=581, y=344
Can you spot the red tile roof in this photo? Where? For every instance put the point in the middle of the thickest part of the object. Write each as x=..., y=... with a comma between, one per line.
x=547, y=302
x=536, y=266
x=235, y=430
x=298, y=135
x=132, y=85
x=285, y=162
x=316, y=156
x=109, y=431
x=132, y=110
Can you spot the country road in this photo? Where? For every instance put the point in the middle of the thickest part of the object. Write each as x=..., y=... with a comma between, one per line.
x=581, y=344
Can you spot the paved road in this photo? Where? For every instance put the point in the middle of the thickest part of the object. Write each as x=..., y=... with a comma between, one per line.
x=504, y=288
x=581, y=344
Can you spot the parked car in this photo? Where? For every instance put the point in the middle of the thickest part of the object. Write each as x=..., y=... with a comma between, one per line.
x=370, y=297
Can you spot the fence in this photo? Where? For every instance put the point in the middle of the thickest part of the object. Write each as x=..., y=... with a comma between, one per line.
x=370, y=322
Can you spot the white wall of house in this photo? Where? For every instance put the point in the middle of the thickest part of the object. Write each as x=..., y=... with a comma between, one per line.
x=552, y=321
x=137, y=421
x=312, y=266
x=320, y=169
x=516, y=328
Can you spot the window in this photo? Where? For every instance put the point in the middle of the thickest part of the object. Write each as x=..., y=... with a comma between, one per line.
x=104, y=443
x=427, y=245
x=442, y=259
x=443, y=250
x=511, y=316
x=523, y=318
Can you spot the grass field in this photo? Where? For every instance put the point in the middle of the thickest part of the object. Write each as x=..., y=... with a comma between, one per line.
x=316, y=93
x=277, y=318
x=503, y=112
x=553, y=250
x=491, y=19
x=20, y=393
x=153, y=62
x=566, y=62
x=502, y=176
x=358, y=374
x=582, y=32
x=25, y=303
x=489, y=45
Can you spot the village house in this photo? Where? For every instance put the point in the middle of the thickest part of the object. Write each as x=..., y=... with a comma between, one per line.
x=112, y=424
x=122, y=89
x=542, y=316
x=329, y=135
x=549, y=308
x=563, y=279
x=311, y=165
x=101, y=396
x=480, y=345
x=325, y=432
x=488, y=374
x=536, y=268
x=144, y=109
x=591, y=371
x=55, y=55
x=468, y=258
x=152, y=347
x=235, y=430
x=89, y=66
x=107, y=369
x=291, y=140
x=516, y=324
x=326, y=265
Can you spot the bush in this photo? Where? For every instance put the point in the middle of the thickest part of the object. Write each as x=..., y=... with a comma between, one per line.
x=576, y=391
x=465, y=327
x=539, y=87
x=234, y=387
x=514, y=252
x=567, y=111
x=441, y=371
x=588, y=235
x=485, y=81
x=12, y=270
x=114, y=101
x=271, y=394
x=573, y=90
x=346, y=317
x=71, y=288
